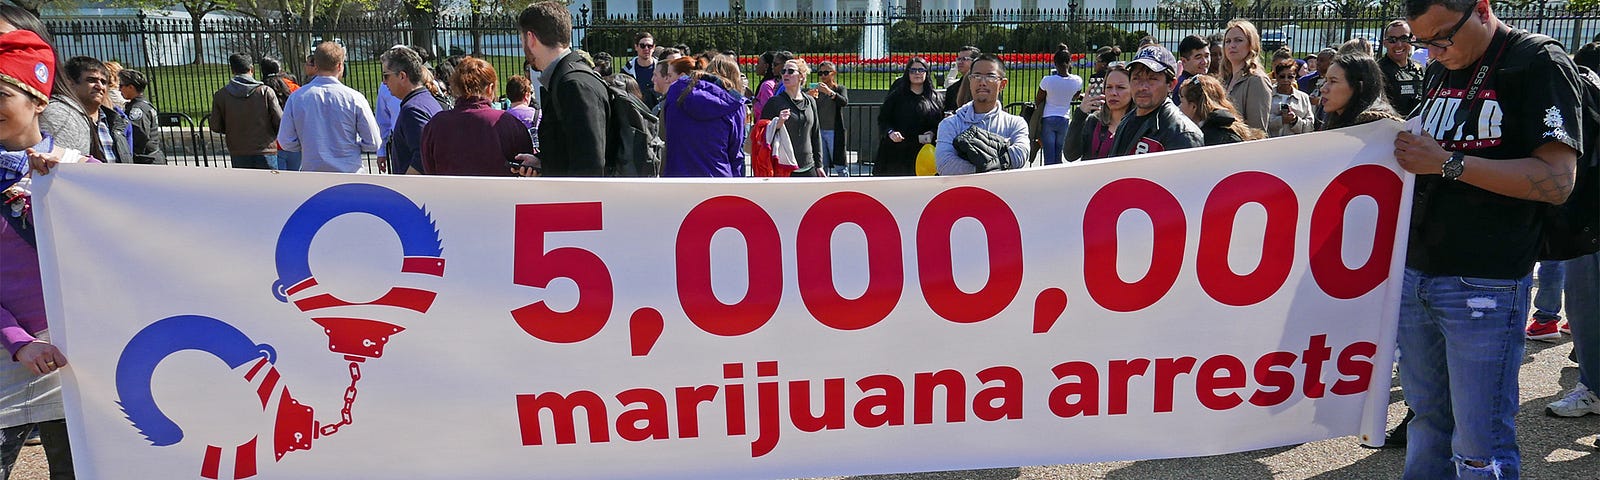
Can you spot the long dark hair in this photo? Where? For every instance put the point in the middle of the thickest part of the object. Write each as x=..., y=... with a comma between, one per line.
x=272, y=76
x=904, y=82
x=778, y=58
x=22, y=20
x=1365, y=79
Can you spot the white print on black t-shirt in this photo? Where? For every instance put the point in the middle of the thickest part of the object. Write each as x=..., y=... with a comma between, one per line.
x=1439, y=118
x=1552, y=119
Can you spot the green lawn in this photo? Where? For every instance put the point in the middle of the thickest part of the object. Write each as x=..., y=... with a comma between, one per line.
x=187, y=89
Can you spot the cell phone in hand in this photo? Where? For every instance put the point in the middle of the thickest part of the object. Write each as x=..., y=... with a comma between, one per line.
x=1097, y=86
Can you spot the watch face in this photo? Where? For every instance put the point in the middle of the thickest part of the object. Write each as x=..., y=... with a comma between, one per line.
x=1453, y=167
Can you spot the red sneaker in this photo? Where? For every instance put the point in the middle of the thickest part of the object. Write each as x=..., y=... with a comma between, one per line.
x=1566, y=327
x=1544, y=331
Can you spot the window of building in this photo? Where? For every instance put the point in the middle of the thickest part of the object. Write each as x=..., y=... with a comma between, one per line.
x=647, y=8
x=691, y=8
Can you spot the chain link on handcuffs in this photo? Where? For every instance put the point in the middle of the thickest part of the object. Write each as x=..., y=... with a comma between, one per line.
x=349, y=400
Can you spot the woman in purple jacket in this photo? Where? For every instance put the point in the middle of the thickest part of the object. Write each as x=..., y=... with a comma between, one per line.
x=30, y=389
x=704, y=122
x=473, y=138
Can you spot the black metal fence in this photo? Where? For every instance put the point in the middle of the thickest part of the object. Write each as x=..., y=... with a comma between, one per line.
x=187, y=63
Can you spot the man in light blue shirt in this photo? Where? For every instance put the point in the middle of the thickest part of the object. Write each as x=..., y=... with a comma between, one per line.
x=985, y=79
x=329, y=123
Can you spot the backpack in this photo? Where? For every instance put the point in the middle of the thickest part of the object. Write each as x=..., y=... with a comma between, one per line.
x=633, y=134
x=1572, y=229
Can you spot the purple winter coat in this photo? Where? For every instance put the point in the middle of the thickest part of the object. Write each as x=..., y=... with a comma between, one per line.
x=704, y=130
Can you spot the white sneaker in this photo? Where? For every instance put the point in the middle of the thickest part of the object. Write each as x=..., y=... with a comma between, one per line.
x=1578, y=402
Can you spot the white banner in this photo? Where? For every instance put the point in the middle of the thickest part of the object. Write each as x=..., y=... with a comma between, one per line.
x=236, y=324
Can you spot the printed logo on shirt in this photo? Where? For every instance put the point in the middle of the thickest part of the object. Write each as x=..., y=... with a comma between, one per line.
x=1146, y=145
x=1439, y=116
x=1556, y=124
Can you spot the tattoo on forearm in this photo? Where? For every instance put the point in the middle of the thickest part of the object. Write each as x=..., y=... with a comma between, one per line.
x=1553, y=185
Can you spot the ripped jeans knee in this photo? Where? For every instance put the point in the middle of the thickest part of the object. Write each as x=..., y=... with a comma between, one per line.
x=1475, y=468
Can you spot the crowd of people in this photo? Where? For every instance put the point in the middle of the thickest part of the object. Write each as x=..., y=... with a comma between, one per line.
x=1474, y=237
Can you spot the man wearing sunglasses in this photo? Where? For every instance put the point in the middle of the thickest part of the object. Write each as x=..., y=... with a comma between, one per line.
x=1402, y=76
x=643, y=66
x=957, y=94
x=1498, y=141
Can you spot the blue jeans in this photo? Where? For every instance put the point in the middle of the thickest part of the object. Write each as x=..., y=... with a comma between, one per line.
x=288, y=160
x=1583, y=314
x=57, y=451
x=1547, y=301
x=1461, y=347
x=259, y=162
x=831, y=164
x=1052, y=137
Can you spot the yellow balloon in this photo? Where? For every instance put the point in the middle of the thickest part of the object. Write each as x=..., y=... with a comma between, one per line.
x=926, y=164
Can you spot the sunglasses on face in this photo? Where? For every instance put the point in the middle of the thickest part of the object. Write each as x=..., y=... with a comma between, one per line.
x=916, y=70
x=647, y=45
x=790, y=71
x=825, y=73
x=1400, y=39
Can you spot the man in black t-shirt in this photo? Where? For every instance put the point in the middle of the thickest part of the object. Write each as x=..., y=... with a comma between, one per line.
x=1492, y=154
x=1402, y=76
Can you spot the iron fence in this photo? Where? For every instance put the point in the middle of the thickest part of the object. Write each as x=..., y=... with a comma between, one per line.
x=187, y=62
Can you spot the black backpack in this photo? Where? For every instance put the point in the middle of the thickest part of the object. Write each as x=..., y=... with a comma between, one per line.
x=633, y=137
x=1572, y=229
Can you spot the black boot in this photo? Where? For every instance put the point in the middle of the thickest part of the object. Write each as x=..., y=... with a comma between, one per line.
x=1397, y=438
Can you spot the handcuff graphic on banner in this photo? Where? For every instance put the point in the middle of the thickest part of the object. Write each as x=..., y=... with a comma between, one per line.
x=357, y=339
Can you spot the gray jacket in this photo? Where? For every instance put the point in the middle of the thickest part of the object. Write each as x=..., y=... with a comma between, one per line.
x=64, y=119
x=66, y=122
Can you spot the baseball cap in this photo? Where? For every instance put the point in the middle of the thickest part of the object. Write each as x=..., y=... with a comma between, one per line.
x=26, y=62
x=1156, y=58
